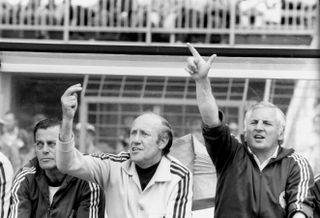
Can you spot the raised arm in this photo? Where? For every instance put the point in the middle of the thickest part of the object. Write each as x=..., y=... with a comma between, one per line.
x=198, y=68
x=69, y=103
x=69, y=160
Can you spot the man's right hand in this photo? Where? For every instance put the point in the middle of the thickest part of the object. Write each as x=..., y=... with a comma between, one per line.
x=197, y=67
x=69, y=101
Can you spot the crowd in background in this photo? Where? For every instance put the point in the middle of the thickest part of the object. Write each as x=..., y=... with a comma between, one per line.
x=166, y=14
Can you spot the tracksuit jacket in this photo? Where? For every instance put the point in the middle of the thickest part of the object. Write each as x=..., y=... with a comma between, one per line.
x=168, y=193
x=316, y=192
x=75, y=198
x=6, y=177
x=279, y=190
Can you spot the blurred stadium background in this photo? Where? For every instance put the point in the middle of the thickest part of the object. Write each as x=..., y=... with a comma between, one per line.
x=130, y=54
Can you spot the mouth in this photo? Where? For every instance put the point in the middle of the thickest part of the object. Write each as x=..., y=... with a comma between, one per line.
x=258, y=137
x=135, y=149
x=46, y=159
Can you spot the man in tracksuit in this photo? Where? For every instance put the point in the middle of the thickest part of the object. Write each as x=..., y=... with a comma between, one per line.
x=256, y=177
x=145, y=182
x=41, y=190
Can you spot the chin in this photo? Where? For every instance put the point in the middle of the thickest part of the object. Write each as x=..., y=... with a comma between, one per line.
x=258, y=146
x=48, y=166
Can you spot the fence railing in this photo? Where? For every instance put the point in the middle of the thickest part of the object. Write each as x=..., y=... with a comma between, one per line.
x=171, y=21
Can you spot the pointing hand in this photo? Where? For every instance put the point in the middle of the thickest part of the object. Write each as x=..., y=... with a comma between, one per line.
x=69, y=101
x=197, y=67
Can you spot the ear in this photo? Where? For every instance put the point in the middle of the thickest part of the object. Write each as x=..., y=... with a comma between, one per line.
x=245, y=135
x=281, y=134
x=163, y=141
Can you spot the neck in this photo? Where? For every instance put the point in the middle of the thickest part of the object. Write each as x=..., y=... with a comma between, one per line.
x=142, y=170
x=144, y=164
x=54, y=176
x=263, y=155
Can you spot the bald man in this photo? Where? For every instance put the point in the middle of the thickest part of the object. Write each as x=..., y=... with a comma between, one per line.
x=144, y=182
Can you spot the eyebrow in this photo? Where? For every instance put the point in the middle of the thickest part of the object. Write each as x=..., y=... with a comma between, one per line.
x=52, y=140
x=270, y=121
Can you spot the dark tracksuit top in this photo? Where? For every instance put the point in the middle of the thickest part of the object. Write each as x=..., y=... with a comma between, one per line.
x=316, y=192
x=75, y=198
x=243, y=191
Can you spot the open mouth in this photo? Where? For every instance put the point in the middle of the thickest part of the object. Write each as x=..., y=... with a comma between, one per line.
x=258, y=137
x=135, y=149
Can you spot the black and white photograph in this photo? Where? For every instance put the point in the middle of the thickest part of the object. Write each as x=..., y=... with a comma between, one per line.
x=231, y=89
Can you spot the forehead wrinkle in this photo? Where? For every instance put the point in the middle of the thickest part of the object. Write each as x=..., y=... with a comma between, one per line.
x=264, y=115
x=150, y=120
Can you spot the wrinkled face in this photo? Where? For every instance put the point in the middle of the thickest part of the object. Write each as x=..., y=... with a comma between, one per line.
x=45, y=146
x=145, y=146
x=263, y=129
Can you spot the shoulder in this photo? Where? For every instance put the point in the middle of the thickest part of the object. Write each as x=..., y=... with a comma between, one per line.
x=92, y=186
x=4, y=162
x=121, y=157
x=178, y=169
x=26, y=171
x=298, y=159
x=222, y=127
x=85, y=188
x=26, y=174
x=317, y=178
x=300, y=163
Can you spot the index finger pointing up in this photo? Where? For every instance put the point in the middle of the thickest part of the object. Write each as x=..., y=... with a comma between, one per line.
x=194, y=52
x=73, y=89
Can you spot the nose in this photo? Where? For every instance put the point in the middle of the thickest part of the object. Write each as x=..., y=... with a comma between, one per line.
x=259, y=125
x=45, y=148
x=135, y=138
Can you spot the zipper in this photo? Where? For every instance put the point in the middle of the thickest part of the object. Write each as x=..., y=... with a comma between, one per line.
x=260, y=193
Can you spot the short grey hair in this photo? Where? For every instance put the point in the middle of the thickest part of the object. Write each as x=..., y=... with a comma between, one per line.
x=166, y=130
x=281, y=118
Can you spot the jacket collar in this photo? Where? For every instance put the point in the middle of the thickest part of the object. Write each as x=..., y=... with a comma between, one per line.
x=162, y=173
x=40, y=175
x=281, y=151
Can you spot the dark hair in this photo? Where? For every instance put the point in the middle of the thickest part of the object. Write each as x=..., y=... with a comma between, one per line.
x=45, y=124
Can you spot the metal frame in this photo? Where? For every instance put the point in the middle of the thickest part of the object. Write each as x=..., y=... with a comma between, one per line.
x=274, y=67
x=90, y=97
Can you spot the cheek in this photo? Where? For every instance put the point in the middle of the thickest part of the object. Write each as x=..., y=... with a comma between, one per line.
x=37, y=152
x=53, y=152
x=247, y=133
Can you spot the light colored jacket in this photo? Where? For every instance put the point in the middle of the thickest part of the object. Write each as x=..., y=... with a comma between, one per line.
x=168, y=194
x=6, y=177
